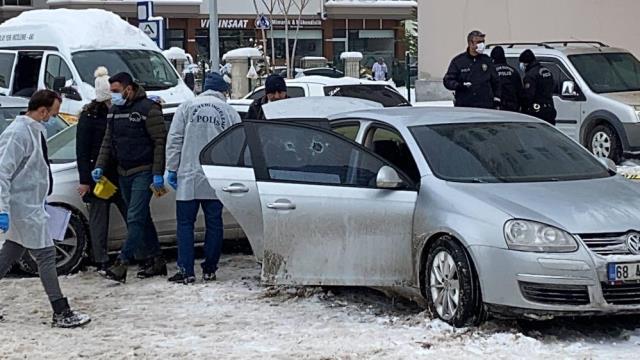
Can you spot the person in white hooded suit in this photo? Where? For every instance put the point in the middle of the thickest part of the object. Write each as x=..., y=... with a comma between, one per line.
x=25, y=183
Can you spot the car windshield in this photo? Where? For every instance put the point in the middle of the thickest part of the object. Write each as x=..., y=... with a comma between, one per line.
x=504, y=152
x=62, y=147
x=148, y=67
x=607, y=73
x=6, y=68
x=53, y=126
x=381, y=94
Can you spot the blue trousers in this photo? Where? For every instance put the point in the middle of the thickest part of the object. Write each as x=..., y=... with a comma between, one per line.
x=186, y=214
x=142, y=241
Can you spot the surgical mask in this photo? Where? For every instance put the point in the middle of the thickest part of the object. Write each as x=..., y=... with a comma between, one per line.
x=480, y=48
x=523, y=67
x=117, y=99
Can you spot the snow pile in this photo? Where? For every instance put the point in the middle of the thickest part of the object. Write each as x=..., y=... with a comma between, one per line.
x=79, y=29
x=351, y=56
x=242, y=53
x=175, y=53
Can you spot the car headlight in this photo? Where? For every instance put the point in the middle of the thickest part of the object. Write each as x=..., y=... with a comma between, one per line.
x=524, y=235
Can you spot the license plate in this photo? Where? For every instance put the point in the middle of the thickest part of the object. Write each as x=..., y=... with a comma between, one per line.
x=624, y=272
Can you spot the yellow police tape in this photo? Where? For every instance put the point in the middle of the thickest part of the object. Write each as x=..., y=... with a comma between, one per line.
x=104, y=189
x=632, y=176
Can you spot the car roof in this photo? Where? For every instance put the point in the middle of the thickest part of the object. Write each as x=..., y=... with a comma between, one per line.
x=315, y=107
x=13, y=102
x=558, y=49
x=327, y=81
x=415, y=116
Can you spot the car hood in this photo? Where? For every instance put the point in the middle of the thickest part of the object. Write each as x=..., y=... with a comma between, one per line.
x=607, y=205
x=630, y=98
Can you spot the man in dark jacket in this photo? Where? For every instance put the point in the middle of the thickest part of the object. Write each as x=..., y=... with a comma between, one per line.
x=90, y=132
x=135, y=139
x=275, y=89
x=510, y=81
x=473, y=77
x=537, y=90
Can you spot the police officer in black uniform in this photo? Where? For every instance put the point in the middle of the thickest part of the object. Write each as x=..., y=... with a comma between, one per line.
x=537, y=90
x=473, y=77
x=510, y=81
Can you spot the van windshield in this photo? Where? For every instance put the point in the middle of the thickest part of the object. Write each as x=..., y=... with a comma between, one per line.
x=607, y=73
x=148, y=67
x=6, y=67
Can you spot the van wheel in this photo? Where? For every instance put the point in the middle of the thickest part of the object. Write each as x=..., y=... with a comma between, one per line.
x=603, y=141
x=452, y=287
x=69, y=253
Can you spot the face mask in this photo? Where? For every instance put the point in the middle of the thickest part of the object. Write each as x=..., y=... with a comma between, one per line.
x=117, y=99
x=523, y=66
x=480, y=48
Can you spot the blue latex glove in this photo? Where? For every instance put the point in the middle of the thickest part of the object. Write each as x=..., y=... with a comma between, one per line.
x=158, y=181
x=96, y=174
x=172, y=179
x=4, y=222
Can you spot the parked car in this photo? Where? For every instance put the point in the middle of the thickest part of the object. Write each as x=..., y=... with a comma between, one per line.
x=379, y=92
x=74, y=248
x=10, y=107
x=475, y=211
x=596, y=94
x=322, y=71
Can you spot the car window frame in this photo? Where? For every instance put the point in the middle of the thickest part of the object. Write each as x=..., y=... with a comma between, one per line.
x=261, y=170
x=345, y=123
x=202, y=156
x=61, y=64
x=380, y=125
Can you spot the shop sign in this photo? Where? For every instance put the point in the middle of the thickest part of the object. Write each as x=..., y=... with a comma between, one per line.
x=294, y=22
x=227, y=23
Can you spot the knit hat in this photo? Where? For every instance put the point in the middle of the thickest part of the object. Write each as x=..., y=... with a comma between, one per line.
x=497, y=54
x=215, y=82
x=275, y=83
x=527, y=57
x=103, y=90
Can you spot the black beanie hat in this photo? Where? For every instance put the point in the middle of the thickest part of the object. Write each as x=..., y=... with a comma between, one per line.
x=275, y=83
x=123, y=78
x=527, y=57
x=497, y=54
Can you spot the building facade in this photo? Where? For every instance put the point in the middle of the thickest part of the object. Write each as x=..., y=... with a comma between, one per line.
x=445, y=24
x=327, y=27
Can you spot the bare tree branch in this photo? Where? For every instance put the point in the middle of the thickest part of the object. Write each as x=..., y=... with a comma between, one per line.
x=300, y=6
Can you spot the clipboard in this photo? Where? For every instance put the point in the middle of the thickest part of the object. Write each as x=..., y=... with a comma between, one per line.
x=58, y=221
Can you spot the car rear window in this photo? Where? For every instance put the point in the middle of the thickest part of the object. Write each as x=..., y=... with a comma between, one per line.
x=382, y=94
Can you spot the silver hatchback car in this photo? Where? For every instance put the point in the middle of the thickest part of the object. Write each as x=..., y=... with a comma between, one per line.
x=475, y=211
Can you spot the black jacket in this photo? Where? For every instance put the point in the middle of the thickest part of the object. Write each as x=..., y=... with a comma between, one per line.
x=537, y=88
x=510, y=87
x=89, y=134
x=480, y=72
x=255, y=109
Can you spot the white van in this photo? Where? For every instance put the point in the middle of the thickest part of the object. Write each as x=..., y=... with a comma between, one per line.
x=60, y=50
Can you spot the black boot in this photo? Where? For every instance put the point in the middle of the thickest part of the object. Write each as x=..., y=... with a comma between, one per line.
x=181, y=278
x=118, y=272
x=64, y=317
x=156, y=267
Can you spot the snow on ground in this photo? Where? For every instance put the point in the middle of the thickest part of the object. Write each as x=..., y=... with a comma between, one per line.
x=236, y=318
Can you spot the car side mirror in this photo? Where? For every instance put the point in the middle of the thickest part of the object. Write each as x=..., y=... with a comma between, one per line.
x=59, y=83
x=569, y=89
x=388, y=178
x=609, y=164
x=69, y=92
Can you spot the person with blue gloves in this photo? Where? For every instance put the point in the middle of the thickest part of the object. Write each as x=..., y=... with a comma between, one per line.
x=135, y=140
x=25, y=183
x=196, y=123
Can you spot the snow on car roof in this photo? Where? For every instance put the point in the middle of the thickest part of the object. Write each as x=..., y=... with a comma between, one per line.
x=316, y=107
x=415, y=116
x=327, y=81
x=73, y=30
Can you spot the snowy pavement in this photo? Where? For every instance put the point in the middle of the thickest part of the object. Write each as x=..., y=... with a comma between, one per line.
x=236, y=318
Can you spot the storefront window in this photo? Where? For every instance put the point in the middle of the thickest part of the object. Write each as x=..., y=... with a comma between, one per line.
x=230, y=39
x=373, y=44
x=175, y=38
x=309, y=44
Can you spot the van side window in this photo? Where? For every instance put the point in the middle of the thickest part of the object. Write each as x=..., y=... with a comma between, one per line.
x=559, y=71
x=56, y=68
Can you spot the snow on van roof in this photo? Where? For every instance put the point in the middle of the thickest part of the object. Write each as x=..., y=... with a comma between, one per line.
x=73, y=30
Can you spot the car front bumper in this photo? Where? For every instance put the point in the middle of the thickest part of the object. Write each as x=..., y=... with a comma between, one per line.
x=539, y=285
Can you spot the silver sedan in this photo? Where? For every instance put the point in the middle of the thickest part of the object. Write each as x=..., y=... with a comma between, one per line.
x=477, y=212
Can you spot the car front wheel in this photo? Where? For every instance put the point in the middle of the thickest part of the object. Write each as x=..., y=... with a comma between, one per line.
x=603, y=141
x=69, y=252
x=452, y=289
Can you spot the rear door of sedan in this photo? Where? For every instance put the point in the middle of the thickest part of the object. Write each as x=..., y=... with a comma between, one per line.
x=308, y=200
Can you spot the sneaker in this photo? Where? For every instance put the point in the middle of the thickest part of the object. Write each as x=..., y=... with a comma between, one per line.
x=101, y=268
x=156, y=268
x=70, y=319
x=179, y=277
x=118, y=272
x=209, y=277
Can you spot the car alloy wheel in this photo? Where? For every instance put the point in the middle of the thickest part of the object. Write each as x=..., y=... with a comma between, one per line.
x=601, y=144
x=603, y=141
x=445, y=285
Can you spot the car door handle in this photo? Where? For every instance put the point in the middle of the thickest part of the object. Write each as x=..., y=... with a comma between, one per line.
x=235, y=189
x=278, y=205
